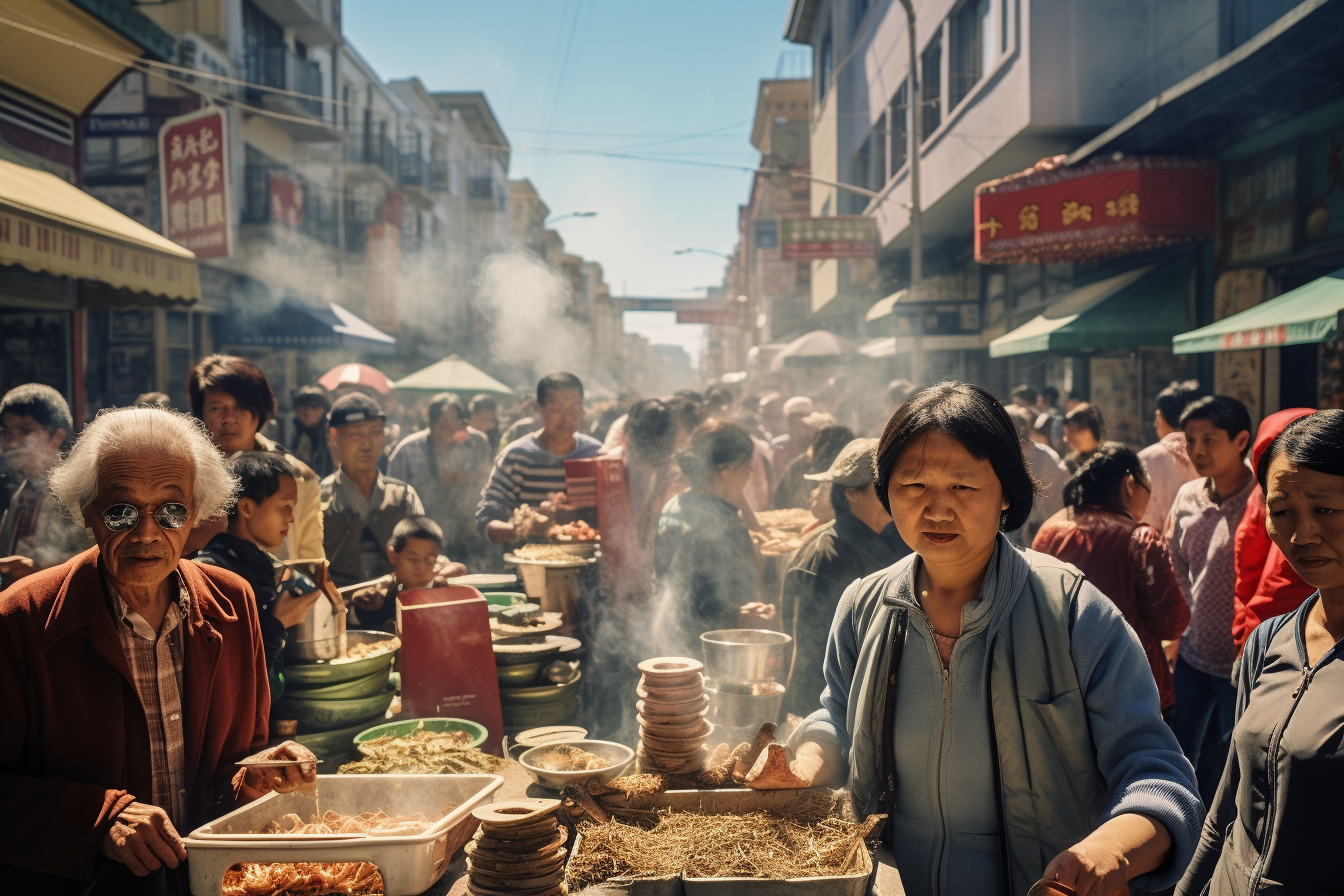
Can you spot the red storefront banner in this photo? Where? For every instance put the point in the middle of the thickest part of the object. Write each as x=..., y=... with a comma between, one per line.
x=1058, y=214
x=286, y=200
x=818, y=239
x=194, y=172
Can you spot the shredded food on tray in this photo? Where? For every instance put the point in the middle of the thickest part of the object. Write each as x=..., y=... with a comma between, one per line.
x=303, y=879
x=783, y=530
x=545, y=553
x=423, y=753
x=364, y=651
x=375, y=824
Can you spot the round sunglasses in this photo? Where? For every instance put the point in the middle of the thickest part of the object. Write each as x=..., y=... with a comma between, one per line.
x=123, y=517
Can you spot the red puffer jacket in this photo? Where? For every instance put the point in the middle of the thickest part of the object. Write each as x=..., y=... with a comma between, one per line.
x=1267, y=586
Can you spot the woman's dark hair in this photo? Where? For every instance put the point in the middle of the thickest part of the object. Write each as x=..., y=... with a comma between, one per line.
x=686, y=411
x=442, y=402
x=312, y=397
x=1088, y=416
x=1225, y=413
x=828, y=443
x=238, y=377
x=258, y=474
x=1311, y=442
x=979, y=422
x=652, y=429
x=715, y=444
x=1097, y=482
x=558, y=382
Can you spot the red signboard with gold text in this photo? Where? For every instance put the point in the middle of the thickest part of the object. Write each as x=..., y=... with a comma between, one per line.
x=1058, y=214
x=193, y=164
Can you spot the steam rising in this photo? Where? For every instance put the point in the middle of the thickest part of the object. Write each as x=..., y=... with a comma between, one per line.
x=529, y=305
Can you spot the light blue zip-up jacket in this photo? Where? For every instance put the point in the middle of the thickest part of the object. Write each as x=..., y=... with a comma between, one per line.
x=946, y=827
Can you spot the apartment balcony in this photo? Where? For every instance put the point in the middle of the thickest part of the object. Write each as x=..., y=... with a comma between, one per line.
x=375, y=156
x=315, y=22
x=283, y=200
x=280, y=68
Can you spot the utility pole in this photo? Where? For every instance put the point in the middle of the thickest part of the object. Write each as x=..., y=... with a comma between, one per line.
x=915, y=105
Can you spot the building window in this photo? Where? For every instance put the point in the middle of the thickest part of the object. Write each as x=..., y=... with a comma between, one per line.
x=931, y=87
x=767, y=234
x=859, y=12
x=972, y=49
x=825, y=65
x=898, y=126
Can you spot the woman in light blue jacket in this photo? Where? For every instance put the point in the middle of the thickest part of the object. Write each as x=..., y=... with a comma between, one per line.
x=990, y=701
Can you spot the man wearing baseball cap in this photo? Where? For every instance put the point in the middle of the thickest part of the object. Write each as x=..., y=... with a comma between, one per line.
x=797, y=434
x=360, y=506
x=860, y=541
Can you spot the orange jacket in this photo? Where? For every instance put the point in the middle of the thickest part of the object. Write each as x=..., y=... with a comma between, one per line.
x=75, y=748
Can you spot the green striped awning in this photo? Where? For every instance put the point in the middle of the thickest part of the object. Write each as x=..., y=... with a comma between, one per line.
x=1307, y=314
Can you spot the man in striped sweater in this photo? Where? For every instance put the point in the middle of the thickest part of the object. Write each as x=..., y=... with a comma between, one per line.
x=529, y=470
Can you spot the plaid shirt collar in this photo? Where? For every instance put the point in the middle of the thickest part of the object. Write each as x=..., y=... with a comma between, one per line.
x=122, y=612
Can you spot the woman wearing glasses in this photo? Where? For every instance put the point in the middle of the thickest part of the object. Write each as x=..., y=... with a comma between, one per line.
x=131, y=682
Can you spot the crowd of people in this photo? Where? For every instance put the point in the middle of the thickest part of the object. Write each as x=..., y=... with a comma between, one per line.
x=1039, y=652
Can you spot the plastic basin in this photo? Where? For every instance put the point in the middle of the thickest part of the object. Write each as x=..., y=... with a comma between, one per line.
x=410, y=726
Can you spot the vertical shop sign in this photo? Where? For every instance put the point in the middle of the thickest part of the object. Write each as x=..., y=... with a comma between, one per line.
x=193, y=162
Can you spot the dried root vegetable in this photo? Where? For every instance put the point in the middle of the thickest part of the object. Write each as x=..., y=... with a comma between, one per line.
x=756, y=845
x=772, y=771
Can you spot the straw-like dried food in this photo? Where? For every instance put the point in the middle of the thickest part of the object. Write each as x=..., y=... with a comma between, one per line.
x=544, y=553
x=367, y=649
x=756, y=845
x=423, y=752
x=375, y=824
x=567, y=758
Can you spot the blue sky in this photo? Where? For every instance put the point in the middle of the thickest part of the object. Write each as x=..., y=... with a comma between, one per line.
x=672, y=79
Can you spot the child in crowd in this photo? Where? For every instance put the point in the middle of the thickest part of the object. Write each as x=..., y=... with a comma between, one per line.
x=413, y=552
x=258, y=523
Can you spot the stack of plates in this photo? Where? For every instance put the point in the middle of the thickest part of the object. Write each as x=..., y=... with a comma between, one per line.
x=672, y=708
x=519, y=850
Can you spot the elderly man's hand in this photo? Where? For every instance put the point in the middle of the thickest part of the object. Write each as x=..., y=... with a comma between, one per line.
x=258, y=782
x=144, y=840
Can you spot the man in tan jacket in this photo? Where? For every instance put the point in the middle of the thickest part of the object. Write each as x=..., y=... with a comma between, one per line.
x=232, y=397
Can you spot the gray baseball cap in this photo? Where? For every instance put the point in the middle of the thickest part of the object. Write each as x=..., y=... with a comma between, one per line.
x=853, y=466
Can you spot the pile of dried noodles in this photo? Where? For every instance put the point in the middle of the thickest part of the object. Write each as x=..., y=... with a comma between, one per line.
x=423, y=753
x=376, y=824
x=303, y=879
x=757, y=845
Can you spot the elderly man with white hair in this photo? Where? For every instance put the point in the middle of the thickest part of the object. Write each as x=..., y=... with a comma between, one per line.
x=131, y=681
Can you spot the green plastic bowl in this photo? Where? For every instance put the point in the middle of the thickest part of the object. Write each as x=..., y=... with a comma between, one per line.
x=498, y=601
x=410, y=726
x=368, y=686
x=316, y=675
x=331, y=715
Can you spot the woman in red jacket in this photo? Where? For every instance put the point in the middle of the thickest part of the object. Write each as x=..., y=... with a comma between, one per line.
x=1099, y=532
x=1267, y=585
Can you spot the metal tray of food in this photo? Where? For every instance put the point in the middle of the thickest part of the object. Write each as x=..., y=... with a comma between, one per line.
x=408, y=864
x=737, y=801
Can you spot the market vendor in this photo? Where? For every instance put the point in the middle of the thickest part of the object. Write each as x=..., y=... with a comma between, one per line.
x=131, y=681
x=991, y=702
x=233, y=398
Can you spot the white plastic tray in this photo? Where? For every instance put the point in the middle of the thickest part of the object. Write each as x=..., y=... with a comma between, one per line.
x=408, y=865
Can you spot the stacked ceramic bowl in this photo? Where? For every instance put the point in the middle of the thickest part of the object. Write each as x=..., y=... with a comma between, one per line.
x=672, y=708
x=518, y=851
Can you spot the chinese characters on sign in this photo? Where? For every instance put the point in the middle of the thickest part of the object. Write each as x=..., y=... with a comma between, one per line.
x=194, y=174
x=1085, y=212
x=815, y=239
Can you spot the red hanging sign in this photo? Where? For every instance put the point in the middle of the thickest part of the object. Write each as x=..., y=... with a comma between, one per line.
x=1058, y=214
x=194, y=172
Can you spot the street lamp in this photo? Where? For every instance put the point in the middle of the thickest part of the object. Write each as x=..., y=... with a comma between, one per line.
x=583, y=213
x=688, y=249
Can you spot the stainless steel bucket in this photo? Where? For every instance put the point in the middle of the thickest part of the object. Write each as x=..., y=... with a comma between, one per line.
x=736, y=712
x=317, y=637
x=746, y=654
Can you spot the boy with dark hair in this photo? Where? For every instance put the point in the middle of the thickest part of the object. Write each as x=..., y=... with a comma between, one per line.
x=1168, y=464
x=413, y=551
x=531, y=469
x=258, y=523
x=1202, y=530
x=35, y=425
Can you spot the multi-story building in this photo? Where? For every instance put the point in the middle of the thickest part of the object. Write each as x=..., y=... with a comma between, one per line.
x=1002, y=85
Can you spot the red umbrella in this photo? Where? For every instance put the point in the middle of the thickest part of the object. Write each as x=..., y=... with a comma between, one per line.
x=355, y=375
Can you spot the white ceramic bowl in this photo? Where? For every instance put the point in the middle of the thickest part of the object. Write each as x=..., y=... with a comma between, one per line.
x=620, y=755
